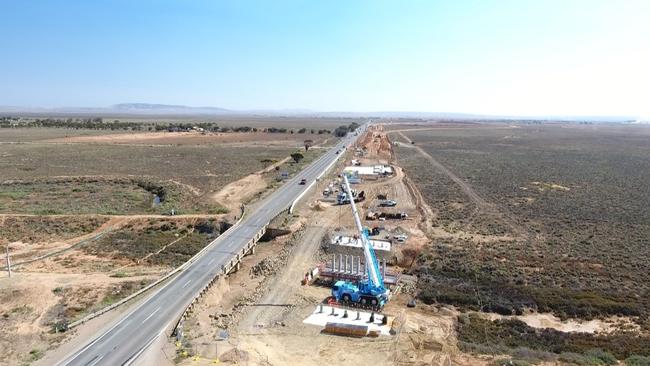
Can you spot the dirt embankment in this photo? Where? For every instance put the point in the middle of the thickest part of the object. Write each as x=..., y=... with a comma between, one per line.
x=239, y=192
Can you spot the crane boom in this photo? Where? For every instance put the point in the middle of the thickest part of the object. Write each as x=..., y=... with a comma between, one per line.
x=372, y=265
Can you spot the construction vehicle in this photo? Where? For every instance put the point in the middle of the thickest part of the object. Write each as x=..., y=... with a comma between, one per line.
x=374, y=215
x=371, y=291
x=400, y=237
x=343, y=198
x=387, y=203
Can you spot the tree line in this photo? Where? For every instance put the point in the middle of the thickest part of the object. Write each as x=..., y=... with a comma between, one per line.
x=98, y=123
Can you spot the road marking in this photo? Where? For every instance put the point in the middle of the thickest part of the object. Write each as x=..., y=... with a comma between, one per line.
x=150, y=315
x=187, y=283
x=96, y=361
x=210, y=262
x=116, y=332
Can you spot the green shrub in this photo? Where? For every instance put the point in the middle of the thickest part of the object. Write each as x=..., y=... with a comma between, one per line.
x=35, y=354
x=606, y=357
x=511, y=333
x=578, y=359
x=636, y=360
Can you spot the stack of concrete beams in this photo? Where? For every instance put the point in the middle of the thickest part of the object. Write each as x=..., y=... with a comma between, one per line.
x=350, y=330
x=351, y=268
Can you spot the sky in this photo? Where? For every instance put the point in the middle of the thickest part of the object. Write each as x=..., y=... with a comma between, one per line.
x=499, y=57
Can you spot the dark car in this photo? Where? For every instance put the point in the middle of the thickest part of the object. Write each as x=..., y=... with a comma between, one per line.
x=303, y=181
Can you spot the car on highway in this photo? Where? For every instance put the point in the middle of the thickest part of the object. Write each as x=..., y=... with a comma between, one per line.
x=303, y=181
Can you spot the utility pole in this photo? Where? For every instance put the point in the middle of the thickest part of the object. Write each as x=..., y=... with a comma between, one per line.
x=8, y=262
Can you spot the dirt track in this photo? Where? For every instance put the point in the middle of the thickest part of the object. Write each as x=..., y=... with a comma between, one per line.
x=467, y=189
x=486, y=207
x=283, y=287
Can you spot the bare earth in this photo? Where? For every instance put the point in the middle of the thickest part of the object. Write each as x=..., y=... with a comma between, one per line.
x=192, y=138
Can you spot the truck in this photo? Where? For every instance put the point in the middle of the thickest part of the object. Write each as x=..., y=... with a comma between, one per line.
x=387, y=203
x=343, y=198
x=374, y=215
x=371, y=291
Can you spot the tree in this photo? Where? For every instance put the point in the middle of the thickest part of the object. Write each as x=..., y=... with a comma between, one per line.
x=341, y=131
x=308, y=144
x=302, y=130
x=297, y=156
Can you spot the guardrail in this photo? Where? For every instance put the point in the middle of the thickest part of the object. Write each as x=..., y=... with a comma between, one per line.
x=295, y=201
x=155, y=283
x=233, y=263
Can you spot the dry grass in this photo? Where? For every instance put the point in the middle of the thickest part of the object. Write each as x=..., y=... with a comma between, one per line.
x=580, y=196
x=204, y=167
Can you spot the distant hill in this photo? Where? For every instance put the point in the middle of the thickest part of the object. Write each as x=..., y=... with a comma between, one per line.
x=148, y=108
x=173, y=110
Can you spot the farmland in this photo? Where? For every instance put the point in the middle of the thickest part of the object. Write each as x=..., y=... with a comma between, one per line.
x=547, y=217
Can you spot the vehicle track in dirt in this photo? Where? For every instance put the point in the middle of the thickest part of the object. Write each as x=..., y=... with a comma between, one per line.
x=484, y=206
x=282, y=287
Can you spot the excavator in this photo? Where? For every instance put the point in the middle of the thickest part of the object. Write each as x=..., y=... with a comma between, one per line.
x=370, y=292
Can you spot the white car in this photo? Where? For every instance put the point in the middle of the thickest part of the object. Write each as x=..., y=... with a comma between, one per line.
x=400, y=237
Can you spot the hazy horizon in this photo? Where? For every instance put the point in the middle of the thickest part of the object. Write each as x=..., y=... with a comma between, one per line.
x=161, y=110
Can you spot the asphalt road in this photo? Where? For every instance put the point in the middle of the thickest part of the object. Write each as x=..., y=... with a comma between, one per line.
x=132, y=334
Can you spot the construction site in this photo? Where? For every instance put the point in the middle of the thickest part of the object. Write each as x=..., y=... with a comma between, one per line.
x=338, y=280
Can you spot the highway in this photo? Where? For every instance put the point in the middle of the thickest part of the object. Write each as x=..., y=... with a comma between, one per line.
x=125, y=340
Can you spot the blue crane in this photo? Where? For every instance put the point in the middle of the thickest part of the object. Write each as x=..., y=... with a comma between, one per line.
x=370, y=291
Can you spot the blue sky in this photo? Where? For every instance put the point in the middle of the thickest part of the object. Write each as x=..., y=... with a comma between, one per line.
x=518, y=57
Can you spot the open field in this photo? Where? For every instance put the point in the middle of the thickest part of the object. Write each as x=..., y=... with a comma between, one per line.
x=157, y=242
x=29, y=229
x=205, y=168
x=250, y=139
x=101, y=196
x=15, y=135
x=545, y=217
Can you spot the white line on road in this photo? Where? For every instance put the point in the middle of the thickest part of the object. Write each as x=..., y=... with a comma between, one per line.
x=150, y=315
x=210, y=262
x=117, y=331
x=187, y=283
x=96, y=361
